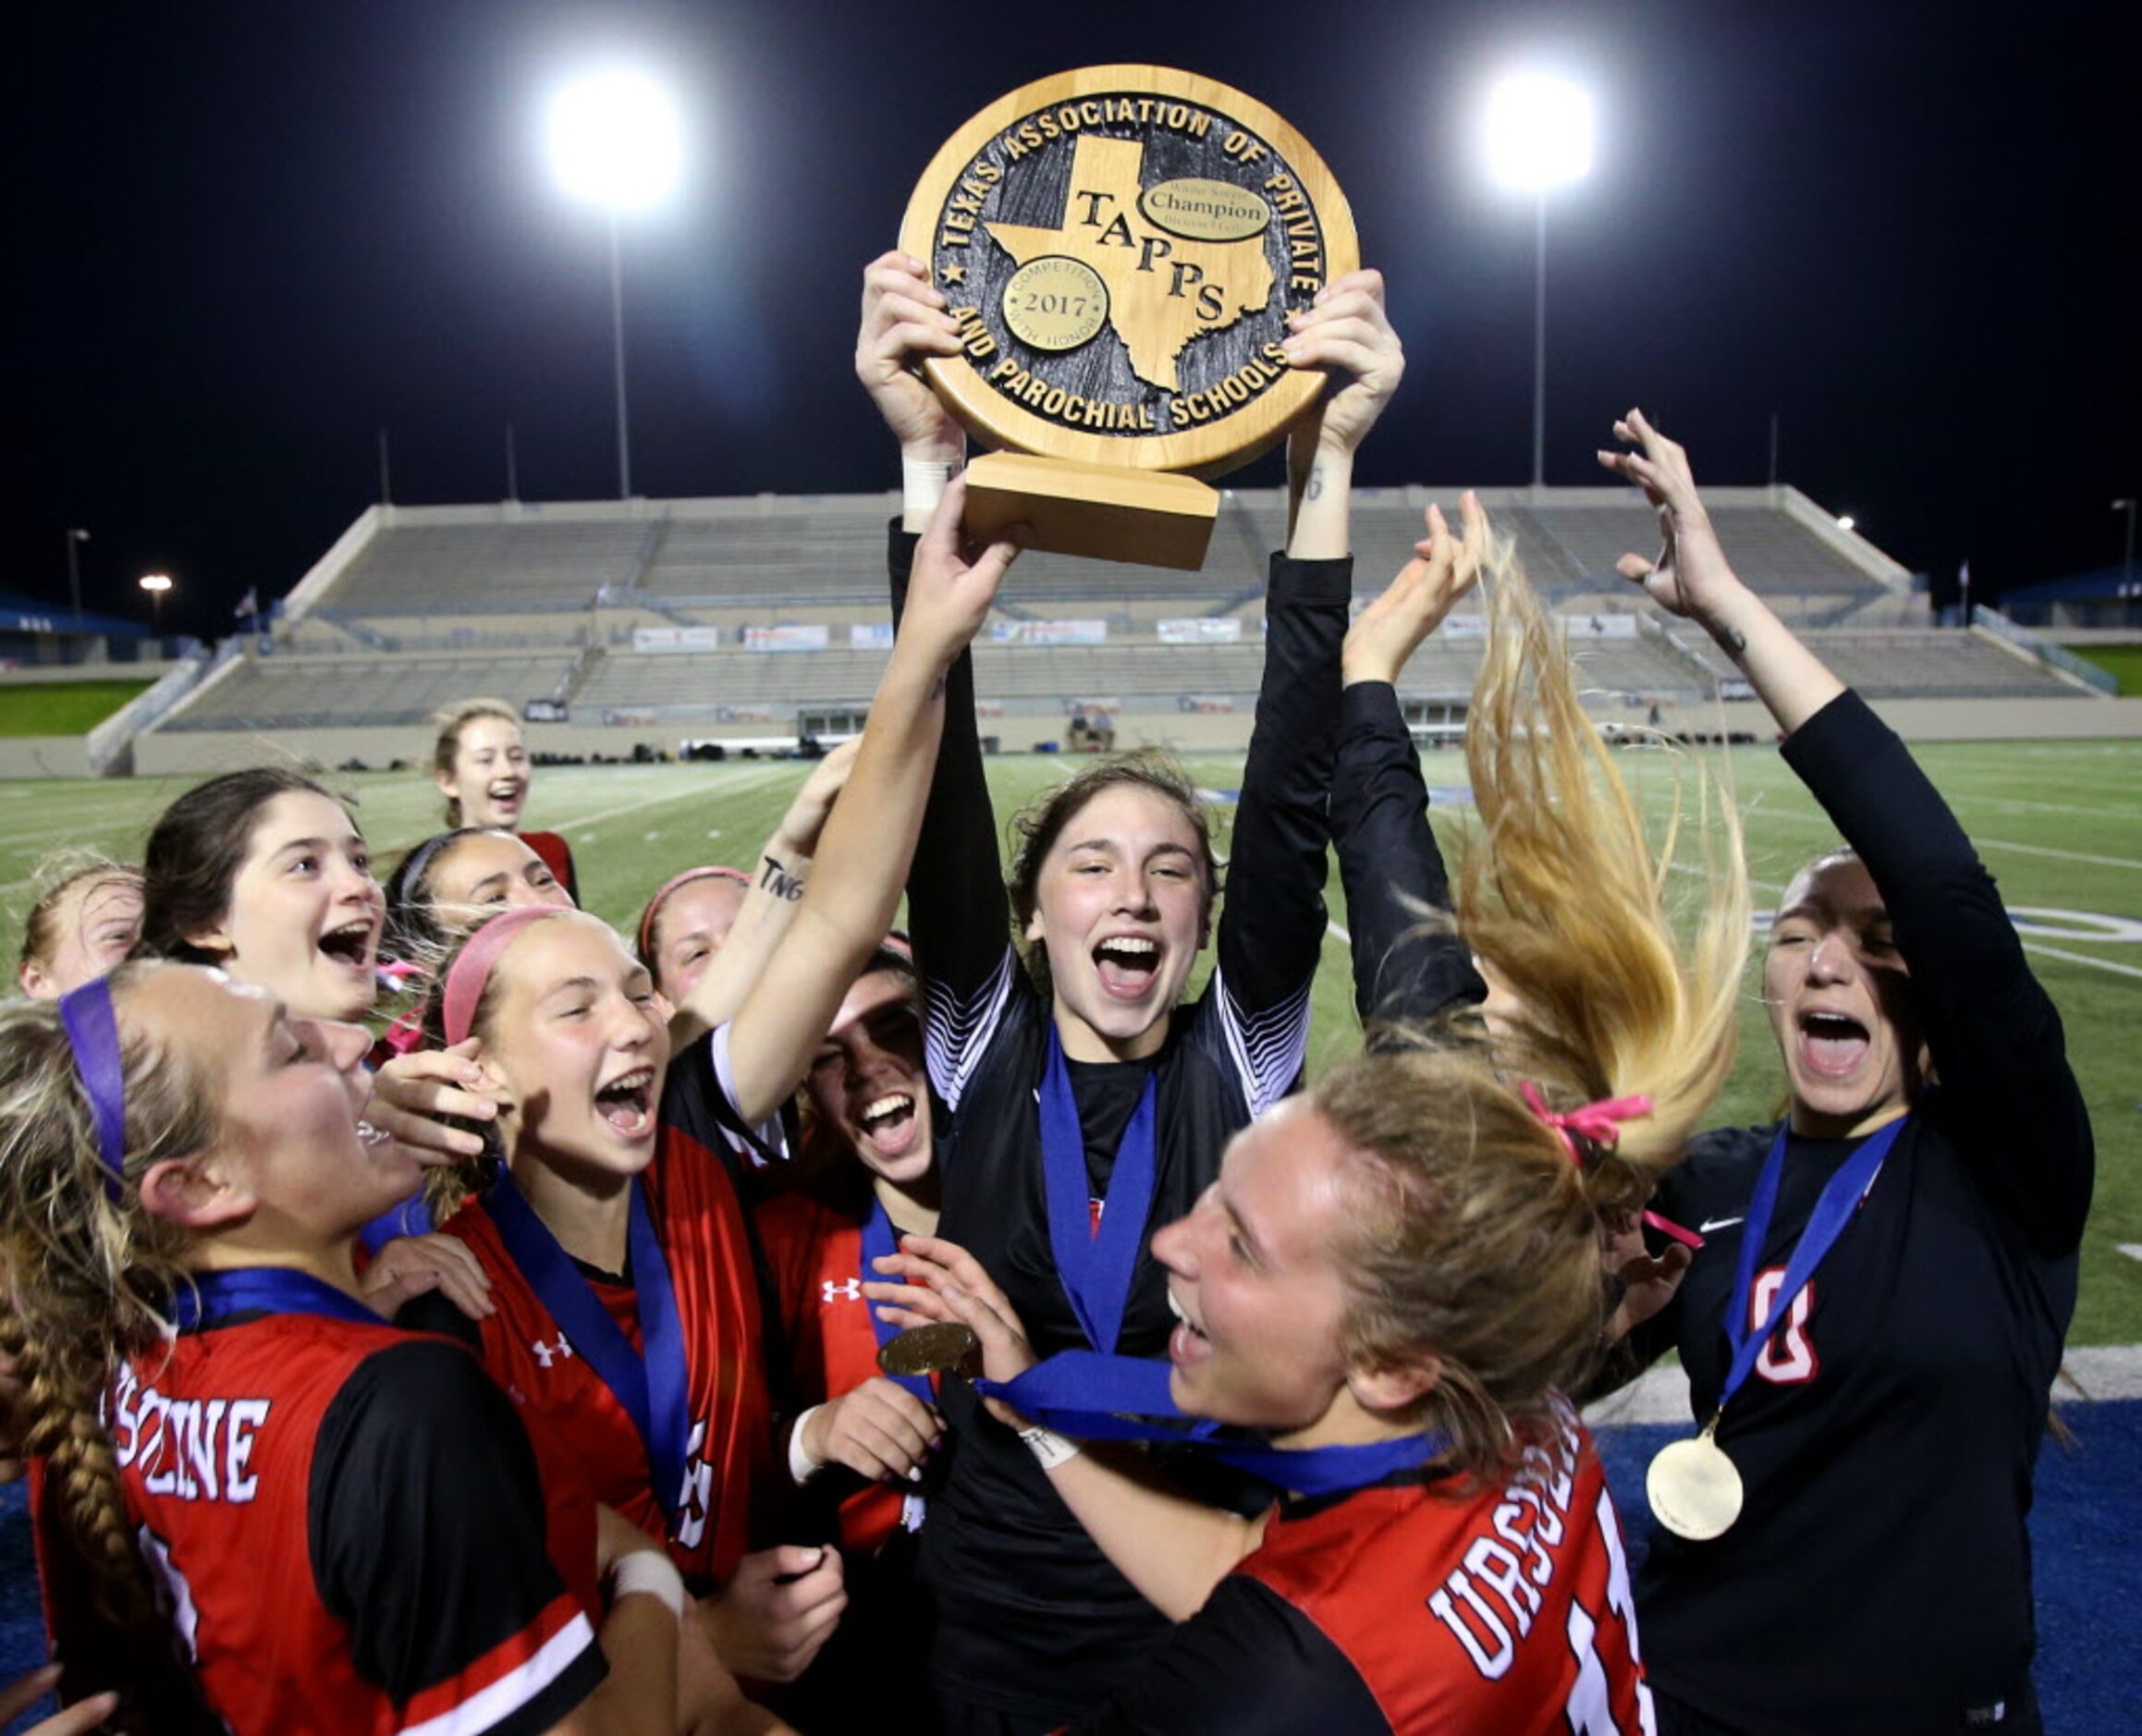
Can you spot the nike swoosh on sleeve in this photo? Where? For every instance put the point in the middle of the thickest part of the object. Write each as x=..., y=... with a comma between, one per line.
x=1709, y=1225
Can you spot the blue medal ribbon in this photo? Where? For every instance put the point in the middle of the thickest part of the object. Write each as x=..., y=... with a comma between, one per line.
x=654, y=1389
x=1093, y=1397
x=878, y=1242
x=1839, y=1200
x=1094, y=1267
x=264, y=1290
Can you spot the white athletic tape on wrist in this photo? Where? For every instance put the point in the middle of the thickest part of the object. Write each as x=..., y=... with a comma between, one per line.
x=1049, y=1448
x=652, y=1572
x=922, y=482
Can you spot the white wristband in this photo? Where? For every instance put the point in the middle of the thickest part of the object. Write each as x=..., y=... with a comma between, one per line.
x=652, y=1572
x=922, y=482
x=1049, y=1448
x=803, y=1464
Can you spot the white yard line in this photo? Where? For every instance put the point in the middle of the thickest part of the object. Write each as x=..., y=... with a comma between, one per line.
x=2062, y=855
x=695, y=793
x=2081, y=957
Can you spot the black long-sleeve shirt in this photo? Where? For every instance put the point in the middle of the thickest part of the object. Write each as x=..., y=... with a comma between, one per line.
x=1878, y=1577
x=1406, y=965
x=1030, y=1617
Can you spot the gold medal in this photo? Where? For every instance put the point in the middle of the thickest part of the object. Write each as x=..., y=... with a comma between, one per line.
x=944, y=1348
x=1694, y=1489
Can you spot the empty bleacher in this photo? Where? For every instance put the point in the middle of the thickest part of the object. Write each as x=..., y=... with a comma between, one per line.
x=534, y=563
x=281, y=693
x=534, y=602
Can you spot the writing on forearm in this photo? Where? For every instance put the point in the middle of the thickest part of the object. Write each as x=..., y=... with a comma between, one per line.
x=1314, y=488
x=775, y=878
x=1728, y=639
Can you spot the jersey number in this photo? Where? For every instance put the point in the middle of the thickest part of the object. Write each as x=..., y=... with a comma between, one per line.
x=1788, y=1356
x=1591, y=1700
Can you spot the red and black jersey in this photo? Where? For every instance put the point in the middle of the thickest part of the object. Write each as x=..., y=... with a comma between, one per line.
x=703, y=1237
x=814, y=1253
x=347, y=1526
x=1401, y=1608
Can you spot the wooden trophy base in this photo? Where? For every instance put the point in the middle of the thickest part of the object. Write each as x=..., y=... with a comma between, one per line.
x=1148, y=518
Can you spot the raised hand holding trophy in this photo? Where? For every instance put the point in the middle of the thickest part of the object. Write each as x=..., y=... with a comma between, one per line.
x=1121, y=247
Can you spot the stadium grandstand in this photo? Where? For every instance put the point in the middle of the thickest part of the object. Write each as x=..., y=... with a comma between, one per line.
x=653, y=624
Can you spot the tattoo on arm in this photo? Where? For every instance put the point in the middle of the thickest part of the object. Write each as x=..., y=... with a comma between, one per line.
x=1730, y=641
x=776, y=879
x=1314, y=491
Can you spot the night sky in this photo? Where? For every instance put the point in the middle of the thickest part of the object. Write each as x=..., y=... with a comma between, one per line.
x=246, y=237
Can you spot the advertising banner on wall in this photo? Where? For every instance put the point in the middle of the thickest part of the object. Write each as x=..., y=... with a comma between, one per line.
x=1203, y=629
x=676, y=638
x=815, y=637
x=870, y=636
x=1049, y=632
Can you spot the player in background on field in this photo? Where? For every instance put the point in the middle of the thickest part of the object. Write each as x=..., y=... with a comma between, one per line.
x=480, y=765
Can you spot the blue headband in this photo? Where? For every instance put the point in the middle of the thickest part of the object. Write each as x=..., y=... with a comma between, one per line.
x=93, y=1030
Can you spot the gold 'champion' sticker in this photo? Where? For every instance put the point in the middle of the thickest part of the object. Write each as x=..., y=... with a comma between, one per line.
x=1055, y=303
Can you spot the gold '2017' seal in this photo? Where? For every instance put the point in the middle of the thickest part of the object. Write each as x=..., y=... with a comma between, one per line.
x=1121, y=247
x=1054, y=303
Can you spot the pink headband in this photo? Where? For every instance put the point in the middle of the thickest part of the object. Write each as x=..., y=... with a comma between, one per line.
x=1601, y=1123
x=471, y=969
x=662, y=891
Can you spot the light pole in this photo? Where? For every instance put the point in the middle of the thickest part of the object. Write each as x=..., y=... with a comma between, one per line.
x=2127, y=560
x=1539, y=137
x=75, y=539
x=616, y=140
x=156, y=584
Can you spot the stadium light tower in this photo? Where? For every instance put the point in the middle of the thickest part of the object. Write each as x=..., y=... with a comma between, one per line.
x=75, y=539
x=1538, y=137
x=616, y=140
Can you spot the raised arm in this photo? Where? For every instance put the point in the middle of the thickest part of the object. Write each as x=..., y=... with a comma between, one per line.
x=1404, y=966
x=776, y=888
x=870, y=837
x=956, y=915
x=1271, y=928
x=1998, y=1050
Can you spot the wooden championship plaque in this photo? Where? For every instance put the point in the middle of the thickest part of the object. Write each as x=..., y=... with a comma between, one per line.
x=1121, y=246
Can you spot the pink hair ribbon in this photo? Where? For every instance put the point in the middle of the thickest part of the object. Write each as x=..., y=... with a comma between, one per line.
x=1601, y=1123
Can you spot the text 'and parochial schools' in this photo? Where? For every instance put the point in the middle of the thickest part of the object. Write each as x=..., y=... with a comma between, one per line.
x=1171, y=411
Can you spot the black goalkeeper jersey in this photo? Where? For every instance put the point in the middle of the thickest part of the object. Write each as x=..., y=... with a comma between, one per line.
x=1029, y=1619
x=1879, y=1578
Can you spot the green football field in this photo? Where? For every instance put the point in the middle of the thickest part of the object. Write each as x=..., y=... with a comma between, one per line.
x=2059, y=822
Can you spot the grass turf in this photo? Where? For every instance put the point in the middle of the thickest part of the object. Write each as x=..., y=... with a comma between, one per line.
x=61, y=708
x=2122, y=661
x=2059, y=822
